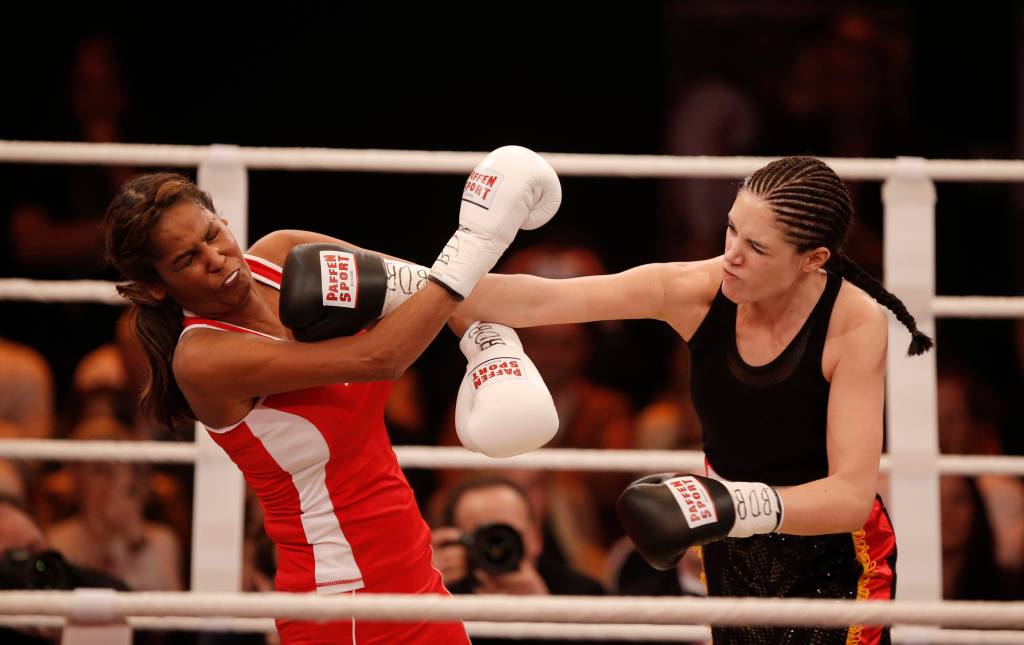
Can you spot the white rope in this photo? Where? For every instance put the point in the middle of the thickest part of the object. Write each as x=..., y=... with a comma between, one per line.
x=22, y=289
x=635, y=461
x=60, y=291
x=164, y=452
x=563, y=631
x=978, y=307
x=557, y=609
x=566, y=631
x=590, y=632
x=922, y=636
x=553, y=459
x=422, y=161
x=979, y=465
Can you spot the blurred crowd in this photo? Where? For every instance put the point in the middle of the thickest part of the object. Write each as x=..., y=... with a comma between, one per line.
x=75, y=371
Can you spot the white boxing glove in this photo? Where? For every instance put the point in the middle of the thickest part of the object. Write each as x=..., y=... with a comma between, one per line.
x=503, y=408
x=512, y=188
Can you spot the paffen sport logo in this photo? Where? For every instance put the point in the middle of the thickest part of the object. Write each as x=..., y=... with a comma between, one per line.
x=481, y=187
x=502, y=368
x=694, y=500
x=339, y=279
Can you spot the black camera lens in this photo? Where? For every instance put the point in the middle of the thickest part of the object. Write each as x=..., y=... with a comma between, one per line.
x=21, y=569
x=496, y=548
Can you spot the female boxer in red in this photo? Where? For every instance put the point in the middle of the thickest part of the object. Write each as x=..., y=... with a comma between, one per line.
x=303, y=421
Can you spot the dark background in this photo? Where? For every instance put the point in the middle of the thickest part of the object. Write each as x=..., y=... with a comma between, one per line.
x=557, y=77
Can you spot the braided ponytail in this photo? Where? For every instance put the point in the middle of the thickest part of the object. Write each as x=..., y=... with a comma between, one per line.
x=843, y=266
x=814, y=208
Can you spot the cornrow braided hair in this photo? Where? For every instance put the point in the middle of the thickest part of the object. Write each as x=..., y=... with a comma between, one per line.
x=814, y=208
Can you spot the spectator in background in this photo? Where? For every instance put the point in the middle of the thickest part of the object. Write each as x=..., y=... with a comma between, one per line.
x=670, y=422
x=844, y=92
x=968, y=425
x=1011, y=428
x=717, y=117
x=26, y=392
x=581, y=508
x=54, y=225
x=26, y=410
x=22, y=547
x=17, y=528
x=405, y=419
x=632, y=576
x=838, y=90
x=20, y=533
x=108, y=382
x=12, y=481
x=106, y=389
x=969, y=569
x=110, y=532
x=100, y=386
x=68, y=238
x=487, y=500
x=844, y=95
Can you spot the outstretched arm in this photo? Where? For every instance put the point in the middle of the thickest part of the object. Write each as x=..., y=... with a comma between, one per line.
x=658, y=291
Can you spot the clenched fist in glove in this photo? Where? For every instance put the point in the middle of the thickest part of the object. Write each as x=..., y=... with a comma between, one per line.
x=513, y=188
x=503, y=408
x=666, y=514
x=330, y=290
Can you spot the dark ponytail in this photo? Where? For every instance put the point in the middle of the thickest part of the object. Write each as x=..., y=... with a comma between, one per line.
x=131, y=216
x=814, y=208
x=157, y=325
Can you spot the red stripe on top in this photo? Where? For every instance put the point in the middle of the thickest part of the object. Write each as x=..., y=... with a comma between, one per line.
x=263, y=270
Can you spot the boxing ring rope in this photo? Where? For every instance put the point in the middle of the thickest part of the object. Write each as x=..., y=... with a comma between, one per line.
x=481, y=629
x=105, y=606
x=100, y=291
x=444, y=162
x=565, y=631
x=908, y=193
x=635, y=461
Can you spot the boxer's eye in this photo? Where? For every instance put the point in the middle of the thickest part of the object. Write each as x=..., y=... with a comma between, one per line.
x=182, y=261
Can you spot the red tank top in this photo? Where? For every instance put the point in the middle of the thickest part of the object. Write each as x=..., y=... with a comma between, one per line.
x=335, y=502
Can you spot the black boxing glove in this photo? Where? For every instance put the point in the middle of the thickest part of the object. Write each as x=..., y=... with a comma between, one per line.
x=328, y=290
x=667, y=513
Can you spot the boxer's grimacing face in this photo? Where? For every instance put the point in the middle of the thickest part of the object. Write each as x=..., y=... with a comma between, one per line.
x=198, y=261
x=759, y=262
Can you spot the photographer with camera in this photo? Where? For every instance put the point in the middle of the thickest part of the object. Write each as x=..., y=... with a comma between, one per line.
x=28, y=562
x=490, y=543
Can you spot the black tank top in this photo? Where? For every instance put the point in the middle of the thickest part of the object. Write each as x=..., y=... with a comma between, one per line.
x=764, y=423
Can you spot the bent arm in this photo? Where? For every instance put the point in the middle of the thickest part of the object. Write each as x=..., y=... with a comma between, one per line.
x=215, y=366
x=842, y=501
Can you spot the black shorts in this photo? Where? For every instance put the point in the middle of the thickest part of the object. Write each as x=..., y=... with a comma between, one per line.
x=847, y=566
